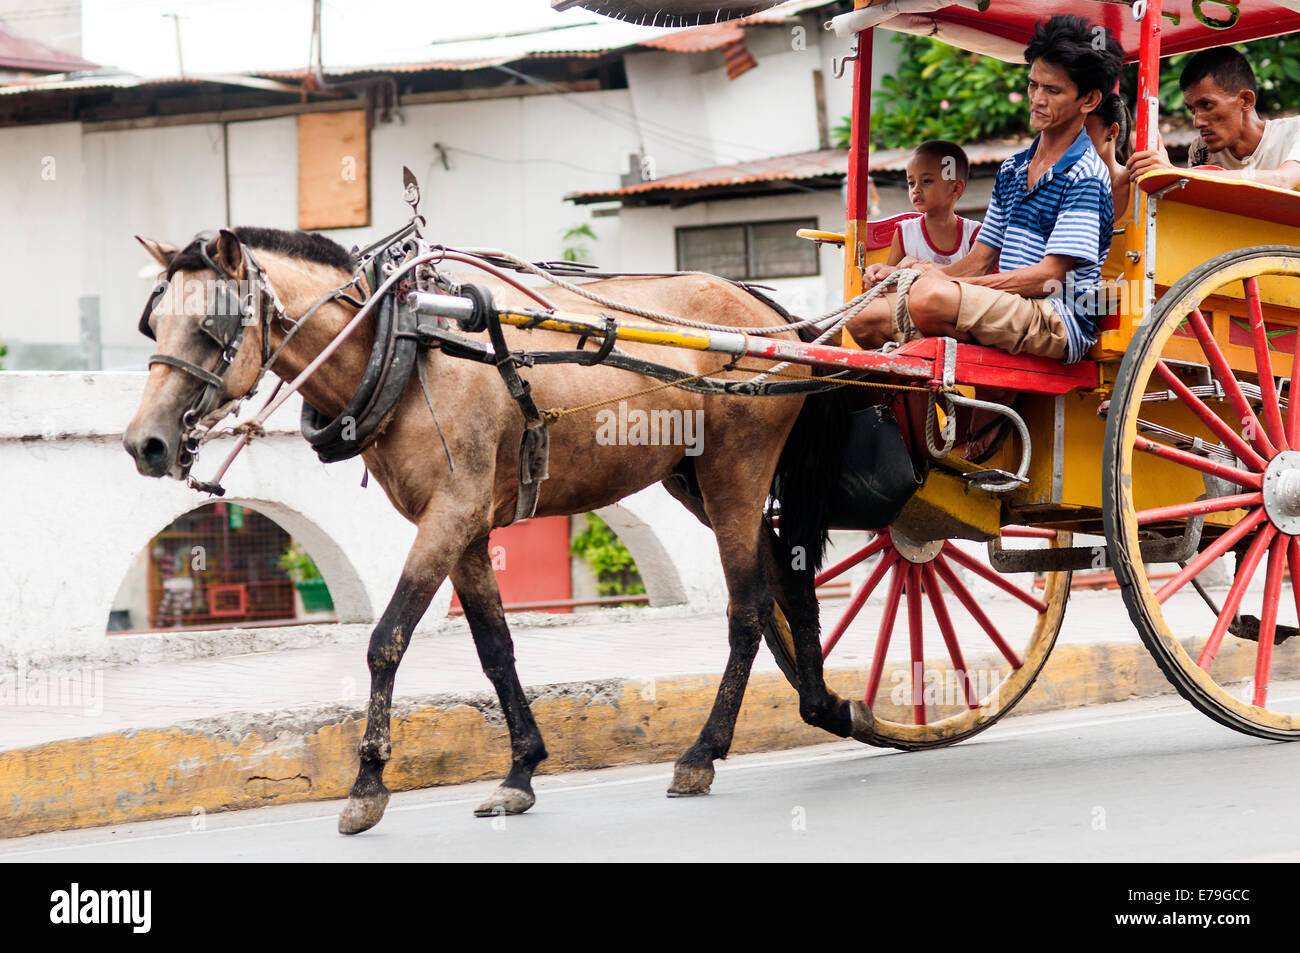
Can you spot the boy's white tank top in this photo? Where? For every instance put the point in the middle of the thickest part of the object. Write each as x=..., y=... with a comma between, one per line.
x=917, y=243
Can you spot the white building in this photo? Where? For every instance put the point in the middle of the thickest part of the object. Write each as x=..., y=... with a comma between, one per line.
x=498, y=131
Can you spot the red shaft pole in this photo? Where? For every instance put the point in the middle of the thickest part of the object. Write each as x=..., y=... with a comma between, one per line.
x=1148, y=109
x=860, y=132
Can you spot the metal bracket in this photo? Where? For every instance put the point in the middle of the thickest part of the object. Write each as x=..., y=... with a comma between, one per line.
x=1178, y=549
x=839, y=62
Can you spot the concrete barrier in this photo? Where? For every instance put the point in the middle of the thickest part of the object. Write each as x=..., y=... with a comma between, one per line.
x=250, y=760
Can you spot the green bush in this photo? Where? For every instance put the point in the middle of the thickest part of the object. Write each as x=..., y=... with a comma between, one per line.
x=608, y=559
x=941, y=92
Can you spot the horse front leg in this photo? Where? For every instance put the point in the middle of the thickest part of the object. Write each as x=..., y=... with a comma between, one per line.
x=748, y=611
x=423, y=573
x=476, y=585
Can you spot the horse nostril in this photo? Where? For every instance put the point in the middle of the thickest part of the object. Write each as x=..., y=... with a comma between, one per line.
x=154, y=453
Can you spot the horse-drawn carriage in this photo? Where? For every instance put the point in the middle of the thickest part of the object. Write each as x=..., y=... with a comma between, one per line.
x=1173, y=440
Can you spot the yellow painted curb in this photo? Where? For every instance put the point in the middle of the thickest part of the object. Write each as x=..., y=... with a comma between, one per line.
x=249, y=760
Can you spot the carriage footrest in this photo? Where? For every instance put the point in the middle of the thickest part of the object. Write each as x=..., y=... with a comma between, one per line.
x=993, y=480
x=1176, y=550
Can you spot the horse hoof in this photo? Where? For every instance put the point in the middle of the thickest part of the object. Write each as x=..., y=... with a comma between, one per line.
x=362, y=813
x=505, y=800
x=862, y=723
x=689, y=781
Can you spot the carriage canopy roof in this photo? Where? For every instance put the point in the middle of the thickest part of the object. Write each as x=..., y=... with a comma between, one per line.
x=1000, y=28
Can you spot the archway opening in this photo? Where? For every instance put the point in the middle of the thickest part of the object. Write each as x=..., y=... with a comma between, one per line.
x=224, y=564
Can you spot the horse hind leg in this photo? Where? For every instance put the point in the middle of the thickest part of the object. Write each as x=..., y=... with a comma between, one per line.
x=797, y=596
x=476, y=586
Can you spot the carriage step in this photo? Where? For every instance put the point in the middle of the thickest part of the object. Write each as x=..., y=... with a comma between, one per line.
x=1176, y=550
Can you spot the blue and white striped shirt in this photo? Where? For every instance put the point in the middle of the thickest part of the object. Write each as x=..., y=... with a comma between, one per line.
x=1069, y=211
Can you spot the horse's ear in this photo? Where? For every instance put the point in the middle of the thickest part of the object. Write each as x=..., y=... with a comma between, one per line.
x=163, y=254
x=226, y=251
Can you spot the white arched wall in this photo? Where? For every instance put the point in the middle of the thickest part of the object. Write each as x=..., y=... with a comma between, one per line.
x=676, y=555
x=75, y=514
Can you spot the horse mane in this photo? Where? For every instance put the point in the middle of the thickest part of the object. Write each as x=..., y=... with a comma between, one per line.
x=308, y=246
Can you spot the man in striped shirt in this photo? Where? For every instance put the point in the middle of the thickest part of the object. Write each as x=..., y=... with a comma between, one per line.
x=1031, y=282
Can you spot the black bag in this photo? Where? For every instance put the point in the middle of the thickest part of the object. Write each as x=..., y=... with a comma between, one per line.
x=877, y=476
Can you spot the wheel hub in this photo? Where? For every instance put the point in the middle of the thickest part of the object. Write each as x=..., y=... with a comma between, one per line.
x=1282, y=491
x=915, y=552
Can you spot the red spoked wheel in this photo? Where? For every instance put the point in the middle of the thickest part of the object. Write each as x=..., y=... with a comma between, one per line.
x=1198, y=429
x=937, y=642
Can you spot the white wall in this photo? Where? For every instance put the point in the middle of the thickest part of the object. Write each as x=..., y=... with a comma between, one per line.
x=79, y=516
x=43, y=236
x=648, y=238
x=165, y=183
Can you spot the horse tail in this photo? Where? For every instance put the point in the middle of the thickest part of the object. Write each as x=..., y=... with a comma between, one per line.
x=807, y=473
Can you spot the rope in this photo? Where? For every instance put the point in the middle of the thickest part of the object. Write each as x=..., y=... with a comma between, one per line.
x=901, y=280
x=949, y=430
x=551, y=416
x=660, y=316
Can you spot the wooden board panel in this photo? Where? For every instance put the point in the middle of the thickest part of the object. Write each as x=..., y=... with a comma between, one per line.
x=333, y=170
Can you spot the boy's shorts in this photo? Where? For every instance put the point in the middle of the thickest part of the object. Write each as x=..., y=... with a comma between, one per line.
x=1017, y=324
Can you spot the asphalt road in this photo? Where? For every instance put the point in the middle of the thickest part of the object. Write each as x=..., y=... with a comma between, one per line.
x=1148, y=781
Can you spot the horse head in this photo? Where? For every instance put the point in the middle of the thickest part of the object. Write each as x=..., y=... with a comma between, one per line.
x=209, y=314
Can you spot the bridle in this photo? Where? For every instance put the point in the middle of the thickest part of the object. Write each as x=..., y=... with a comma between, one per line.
x=224, y=322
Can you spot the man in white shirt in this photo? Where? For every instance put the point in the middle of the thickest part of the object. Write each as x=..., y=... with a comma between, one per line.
x=1219, y=89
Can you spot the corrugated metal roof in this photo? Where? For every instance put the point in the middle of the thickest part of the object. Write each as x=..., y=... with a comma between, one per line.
x=823, y=164
x=111, y=80
x=669, y=12
x=579, y=40
x=24, y=54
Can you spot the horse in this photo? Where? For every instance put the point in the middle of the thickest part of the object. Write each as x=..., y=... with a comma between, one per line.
x=454, y=474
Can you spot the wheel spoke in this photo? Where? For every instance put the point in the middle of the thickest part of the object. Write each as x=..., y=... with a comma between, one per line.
x=940, y=609
x=963, y=595
x=886, y=629
x=1228, y=379
x=1231, y=439
x=1264, y=366
x=914, y=634
x=1211, y=553
x=844, y=565
x=1252, y=481
x=995, y=577
x=1245, y=573
x=855, y=606
x=1218, y=504
x=1268, y=617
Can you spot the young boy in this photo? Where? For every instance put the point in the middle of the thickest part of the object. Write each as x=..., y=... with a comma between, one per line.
x=936, y=179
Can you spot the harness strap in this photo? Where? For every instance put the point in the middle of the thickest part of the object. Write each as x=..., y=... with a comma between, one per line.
x=534, y=446
x=209, y=378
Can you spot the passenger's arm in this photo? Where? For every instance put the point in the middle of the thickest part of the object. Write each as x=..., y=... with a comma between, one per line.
x=1286, y=177
x=1037, y=281
x=980, y=260
x=895, y=248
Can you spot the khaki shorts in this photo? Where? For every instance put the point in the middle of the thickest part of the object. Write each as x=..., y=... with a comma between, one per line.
x=1009, y=321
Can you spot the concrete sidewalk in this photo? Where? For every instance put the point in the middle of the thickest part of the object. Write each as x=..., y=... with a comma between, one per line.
x=173, y=737
x=634, y=644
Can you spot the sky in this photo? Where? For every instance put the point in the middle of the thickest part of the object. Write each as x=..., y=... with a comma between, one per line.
x=229, y=36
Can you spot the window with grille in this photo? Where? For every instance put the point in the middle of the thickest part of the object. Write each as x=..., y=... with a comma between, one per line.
x=749, y=250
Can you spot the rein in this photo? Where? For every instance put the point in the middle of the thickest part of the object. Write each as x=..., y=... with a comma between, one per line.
x=391, y=268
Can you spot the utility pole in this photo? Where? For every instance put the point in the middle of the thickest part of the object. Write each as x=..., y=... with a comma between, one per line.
x=180, y=62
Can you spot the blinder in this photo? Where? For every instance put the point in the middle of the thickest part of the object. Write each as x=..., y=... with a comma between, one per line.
x=226, y=315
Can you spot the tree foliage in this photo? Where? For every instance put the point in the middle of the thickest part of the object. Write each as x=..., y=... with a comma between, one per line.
x=941, y=92
x=607, y=557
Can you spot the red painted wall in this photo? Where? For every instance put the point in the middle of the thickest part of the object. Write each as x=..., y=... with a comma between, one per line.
x=531, y=560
